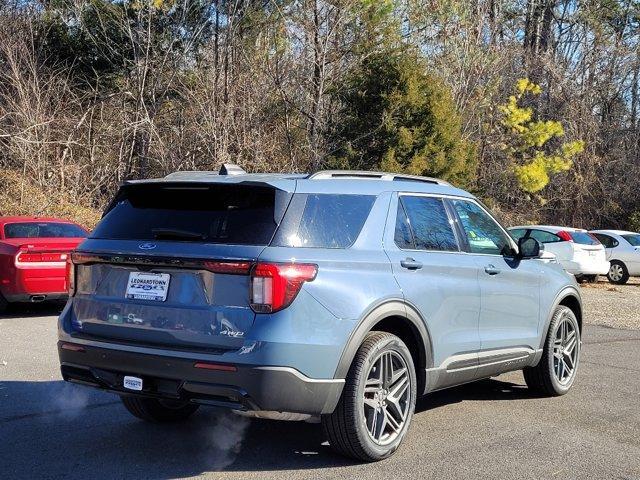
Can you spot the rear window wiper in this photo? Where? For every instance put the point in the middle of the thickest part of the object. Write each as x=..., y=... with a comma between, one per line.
x=176, y=234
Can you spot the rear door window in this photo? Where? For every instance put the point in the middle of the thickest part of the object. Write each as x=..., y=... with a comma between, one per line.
x=633, y=239
x=544, y=237
x=323, y=220
x=517, y=233
x=422, y=223
x=43, y=230
x=214, y=213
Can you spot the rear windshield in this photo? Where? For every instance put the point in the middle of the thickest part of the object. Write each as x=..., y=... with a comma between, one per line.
x=231, y=214
x=583, y=238
x=632, y=239
x=43, y=230
x=324, y=220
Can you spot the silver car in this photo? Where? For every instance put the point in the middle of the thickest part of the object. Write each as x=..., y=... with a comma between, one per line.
x=623, y=251
x=338, y=295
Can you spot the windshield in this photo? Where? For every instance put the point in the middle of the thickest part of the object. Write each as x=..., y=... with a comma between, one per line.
x=633, y=239
x=43, y=230
x=231, y=214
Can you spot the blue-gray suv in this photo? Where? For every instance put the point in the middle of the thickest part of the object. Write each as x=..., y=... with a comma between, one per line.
x=339, y=295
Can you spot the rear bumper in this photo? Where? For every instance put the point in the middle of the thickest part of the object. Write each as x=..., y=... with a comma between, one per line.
x=22, y=284
x=35, y=297
x=587, y=268
x=280, y=389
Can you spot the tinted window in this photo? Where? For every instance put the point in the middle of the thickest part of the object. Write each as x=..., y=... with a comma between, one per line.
x=232, y=214
x=483, y=232
x=584, y=238
x=544, y=237
x=324, y=220
x=606, y=240
x=633, y=239
x=43, y=230
x=423, y=224
x=403, y=236
x=517, y=233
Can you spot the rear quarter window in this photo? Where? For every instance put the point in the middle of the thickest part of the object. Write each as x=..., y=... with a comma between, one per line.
x=323, y=220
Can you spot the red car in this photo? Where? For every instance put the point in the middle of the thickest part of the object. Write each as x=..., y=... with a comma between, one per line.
x=33, y=255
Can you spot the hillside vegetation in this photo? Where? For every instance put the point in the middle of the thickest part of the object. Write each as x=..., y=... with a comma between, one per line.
x=18, y=197
x=533, y=105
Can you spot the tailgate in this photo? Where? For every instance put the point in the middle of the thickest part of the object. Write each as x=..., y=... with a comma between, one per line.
x=168, y=264
x=171, y=302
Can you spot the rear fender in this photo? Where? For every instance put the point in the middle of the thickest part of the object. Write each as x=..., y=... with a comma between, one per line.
x=379, y=312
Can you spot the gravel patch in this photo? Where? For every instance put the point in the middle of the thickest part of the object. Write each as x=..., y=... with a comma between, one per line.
x=616, y=306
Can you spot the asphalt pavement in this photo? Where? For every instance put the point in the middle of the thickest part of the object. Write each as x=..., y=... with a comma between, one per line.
x=490, y=429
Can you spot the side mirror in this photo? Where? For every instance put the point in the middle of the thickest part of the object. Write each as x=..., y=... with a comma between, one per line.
x=529, y=248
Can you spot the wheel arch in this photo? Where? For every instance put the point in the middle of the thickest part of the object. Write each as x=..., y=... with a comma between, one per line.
x=400, y=319
x=568, y=297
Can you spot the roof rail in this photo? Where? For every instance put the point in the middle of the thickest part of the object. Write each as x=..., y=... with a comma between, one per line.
x=397, y=177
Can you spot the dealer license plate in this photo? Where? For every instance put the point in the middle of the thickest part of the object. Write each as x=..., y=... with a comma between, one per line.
x=148, y=286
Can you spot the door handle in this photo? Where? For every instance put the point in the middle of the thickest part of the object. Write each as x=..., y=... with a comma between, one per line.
x=492, y=269
x=411, y=264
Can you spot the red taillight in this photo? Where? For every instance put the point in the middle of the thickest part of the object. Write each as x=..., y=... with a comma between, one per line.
x=274, y=286
x=70, y=276
x=565, y=236
x=231, y=268
x=26, y=257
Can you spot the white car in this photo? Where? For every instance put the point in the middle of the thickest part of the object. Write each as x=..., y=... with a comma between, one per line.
x=579, y=252
x=623, y=251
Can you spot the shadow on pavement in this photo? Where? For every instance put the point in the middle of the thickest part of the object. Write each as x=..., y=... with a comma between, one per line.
x=490, y=389
x=29, y=310
x=54, y=429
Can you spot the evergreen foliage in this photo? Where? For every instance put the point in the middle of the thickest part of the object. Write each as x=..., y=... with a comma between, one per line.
x=397, y=117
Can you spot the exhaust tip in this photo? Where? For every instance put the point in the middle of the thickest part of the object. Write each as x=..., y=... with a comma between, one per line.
x=38, y=298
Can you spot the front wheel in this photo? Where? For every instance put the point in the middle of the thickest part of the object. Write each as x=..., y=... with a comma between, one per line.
x=378, y=400
x=555, y=373
x=158, y=411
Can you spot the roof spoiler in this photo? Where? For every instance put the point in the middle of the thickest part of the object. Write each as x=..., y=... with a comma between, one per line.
x=231, y=169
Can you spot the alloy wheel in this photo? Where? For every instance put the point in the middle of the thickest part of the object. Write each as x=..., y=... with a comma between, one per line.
x=386, y=399
x=565, y=351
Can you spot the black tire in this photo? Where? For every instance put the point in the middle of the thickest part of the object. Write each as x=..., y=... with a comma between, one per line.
x=542, y=378
x=615, y=269
x=346, y=428
x=3, y=303
x=158, y=411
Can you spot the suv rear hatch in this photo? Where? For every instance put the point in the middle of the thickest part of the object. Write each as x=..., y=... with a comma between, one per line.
x=169, y=264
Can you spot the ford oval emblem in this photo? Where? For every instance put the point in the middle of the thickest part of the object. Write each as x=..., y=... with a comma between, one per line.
x=147, y=246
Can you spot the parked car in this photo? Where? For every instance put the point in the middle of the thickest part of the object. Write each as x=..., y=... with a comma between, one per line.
x=33, y=256
x=623, y=251
x=579, y=252
x=339, y=295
